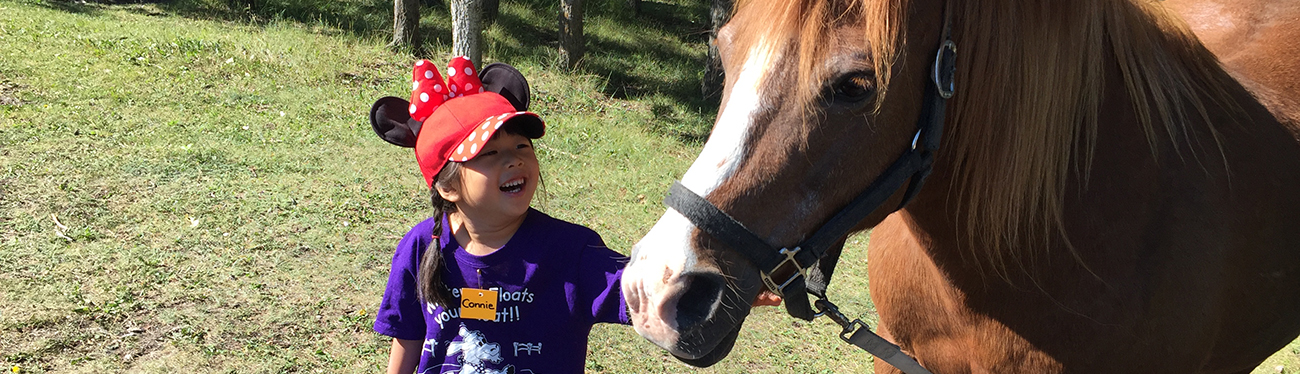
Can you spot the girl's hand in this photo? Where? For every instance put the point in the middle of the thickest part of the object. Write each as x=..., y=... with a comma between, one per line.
x=766, y=298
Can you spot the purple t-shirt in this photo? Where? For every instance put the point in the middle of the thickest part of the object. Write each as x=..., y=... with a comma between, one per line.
x=554, y=281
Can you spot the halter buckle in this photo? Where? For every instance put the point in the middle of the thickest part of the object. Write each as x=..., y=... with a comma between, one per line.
x=944, y=69
x=785, y=273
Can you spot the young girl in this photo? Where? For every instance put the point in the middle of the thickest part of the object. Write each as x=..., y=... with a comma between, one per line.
x=487, y=284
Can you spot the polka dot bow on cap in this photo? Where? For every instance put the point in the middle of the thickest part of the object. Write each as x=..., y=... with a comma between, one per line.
x=429, y=91
x=459, y=115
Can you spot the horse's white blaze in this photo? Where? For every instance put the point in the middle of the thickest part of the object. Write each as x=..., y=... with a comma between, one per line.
x=652, y=282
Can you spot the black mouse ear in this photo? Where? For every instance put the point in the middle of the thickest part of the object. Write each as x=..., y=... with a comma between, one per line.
x=507, y=81
x=390, y=117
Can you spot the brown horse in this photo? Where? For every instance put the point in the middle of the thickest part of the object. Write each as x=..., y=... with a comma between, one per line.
x=1108, y=196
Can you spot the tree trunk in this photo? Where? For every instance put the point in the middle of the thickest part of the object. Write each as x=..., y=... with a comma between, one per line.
x=467, y=29
x=711, y=85
x=635, y=5
x=571, y=42
x=406, y=24
x=491, y=8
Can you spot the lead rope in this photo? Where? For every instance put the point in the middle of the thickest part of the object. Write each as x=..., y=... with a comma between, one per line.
x=859, y=334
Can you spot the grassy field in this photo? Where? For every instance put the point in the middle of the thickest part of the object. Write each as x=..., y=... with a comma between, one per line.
x=192, y=186
x=189, y=188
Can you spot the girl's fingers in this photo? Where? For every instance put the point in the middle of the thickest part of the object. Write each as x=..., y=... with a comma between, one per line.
x=766, y=298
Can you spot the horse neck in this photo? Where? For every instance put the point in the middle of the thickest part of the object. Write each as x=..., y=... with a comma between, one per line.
x=1117, y=160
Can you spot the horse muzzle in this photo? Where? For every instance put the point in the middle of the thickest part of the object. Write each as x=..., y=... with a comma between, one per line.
x=687, y=310
x=685, y=317
x=667, y=305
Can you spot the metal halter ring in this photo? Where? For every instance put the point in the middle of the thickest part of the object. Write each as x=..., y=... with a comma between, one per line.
x=945, y=62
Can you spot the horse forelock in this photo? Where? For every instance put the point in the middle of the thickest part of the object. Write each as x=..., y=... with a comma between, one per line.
x=1031, y=80
x=805, y=26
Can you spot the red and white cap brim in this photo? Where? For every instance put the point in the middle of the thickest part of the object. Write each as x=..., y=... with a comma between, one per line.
x=474, y=143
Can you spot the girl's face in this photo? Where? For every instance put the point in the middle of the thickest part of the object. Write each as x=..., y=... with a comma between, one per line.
x=499, y=183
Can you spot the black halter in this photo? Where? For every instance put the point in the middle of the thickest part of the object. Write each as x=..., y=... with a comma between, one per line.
x=784, y=270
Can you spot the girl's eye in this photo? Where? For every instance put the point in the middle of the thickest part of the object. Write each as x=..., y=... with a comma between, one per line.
x=488, y=153
x=522, y=146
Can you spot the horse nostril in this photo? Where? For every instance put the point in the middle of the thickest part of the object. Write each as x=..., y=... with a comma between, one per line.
x=703, y=291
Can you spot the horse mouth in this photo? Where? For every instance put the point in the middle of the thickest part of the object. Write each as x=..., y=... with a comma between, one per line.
x=690, y=308
x=697, y=320
x=712, y=356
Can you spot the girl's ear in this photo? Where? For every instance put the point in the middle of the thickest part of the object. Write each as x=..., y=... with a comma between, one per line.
x=390, y=117
x=507, y=81
x=449, y=193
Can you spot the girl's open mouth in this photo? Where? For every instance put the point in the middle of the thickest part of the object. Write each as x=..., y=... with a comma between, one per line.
x=513, y=186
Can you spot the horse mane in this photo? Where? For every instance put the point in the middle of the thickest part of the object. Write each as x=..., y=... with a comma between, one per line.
x=1030, y=86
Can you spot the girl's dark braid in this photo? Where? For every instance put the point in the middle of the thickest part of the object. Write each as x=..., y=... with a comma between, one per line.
x=429, y=276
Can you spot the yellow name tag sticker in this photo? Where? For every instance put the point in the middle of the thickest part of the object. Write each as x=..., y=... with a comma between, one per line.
x=478, y=304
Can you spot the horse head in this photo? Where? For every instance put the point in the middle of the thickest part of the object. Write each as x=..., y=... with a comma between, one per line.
x=824, y=99
x=814, y=109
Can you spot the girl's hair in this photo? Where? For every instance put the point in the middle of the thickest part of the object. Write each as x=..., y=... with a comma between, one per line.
x=429, y=276
x=431, y=288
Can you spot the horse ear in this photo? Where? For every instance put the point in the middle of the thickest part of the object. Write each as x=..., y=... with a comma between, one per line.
x=507, y=81
x=390, y=117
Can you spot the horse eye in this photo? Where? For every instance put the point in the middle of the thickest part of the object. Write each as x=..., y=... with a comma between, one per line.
x=855, y=86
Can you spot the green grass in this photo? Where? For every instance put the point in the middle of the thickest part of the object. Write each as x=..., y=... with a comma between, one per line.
x=192, y=186
x=188, y=188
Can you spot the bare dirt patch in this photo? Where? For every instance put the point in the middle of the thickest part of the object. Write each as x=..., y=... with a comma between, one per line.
x=9, y=93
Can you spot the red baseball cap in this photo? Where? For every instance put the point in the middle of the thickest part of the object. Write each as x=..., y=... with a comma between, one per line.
x=456, y=117
x=458, y=129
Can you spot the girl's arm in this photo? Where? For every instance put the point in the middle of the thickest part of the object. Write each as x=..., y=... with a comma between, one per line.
x=404, y=356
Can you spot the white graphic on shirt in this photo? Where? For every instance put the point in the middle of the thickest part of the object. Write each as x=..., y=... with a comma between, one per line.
x=475, y=351
x=528, y=348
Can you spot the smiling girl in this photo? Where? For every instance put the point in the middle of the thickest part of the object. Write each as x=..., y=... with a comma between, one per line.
x=487, y=284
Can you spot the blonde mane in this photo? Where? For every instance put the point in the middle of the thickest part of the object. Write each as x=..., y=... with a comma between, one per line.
x=1031, y=79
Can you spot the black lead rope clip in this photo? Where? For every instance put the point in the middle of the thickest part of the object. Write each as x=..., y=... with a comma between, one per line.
x=828, y=309
x=859, y=334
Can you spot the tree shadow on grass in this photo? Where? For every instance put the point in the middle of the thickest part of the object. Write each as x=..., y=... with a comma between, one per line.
x=670, y=123
x=656, y=62
x=620, y=63
x=75, y=7
x=359, y=18
x=686, y=23
x=689, y=20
